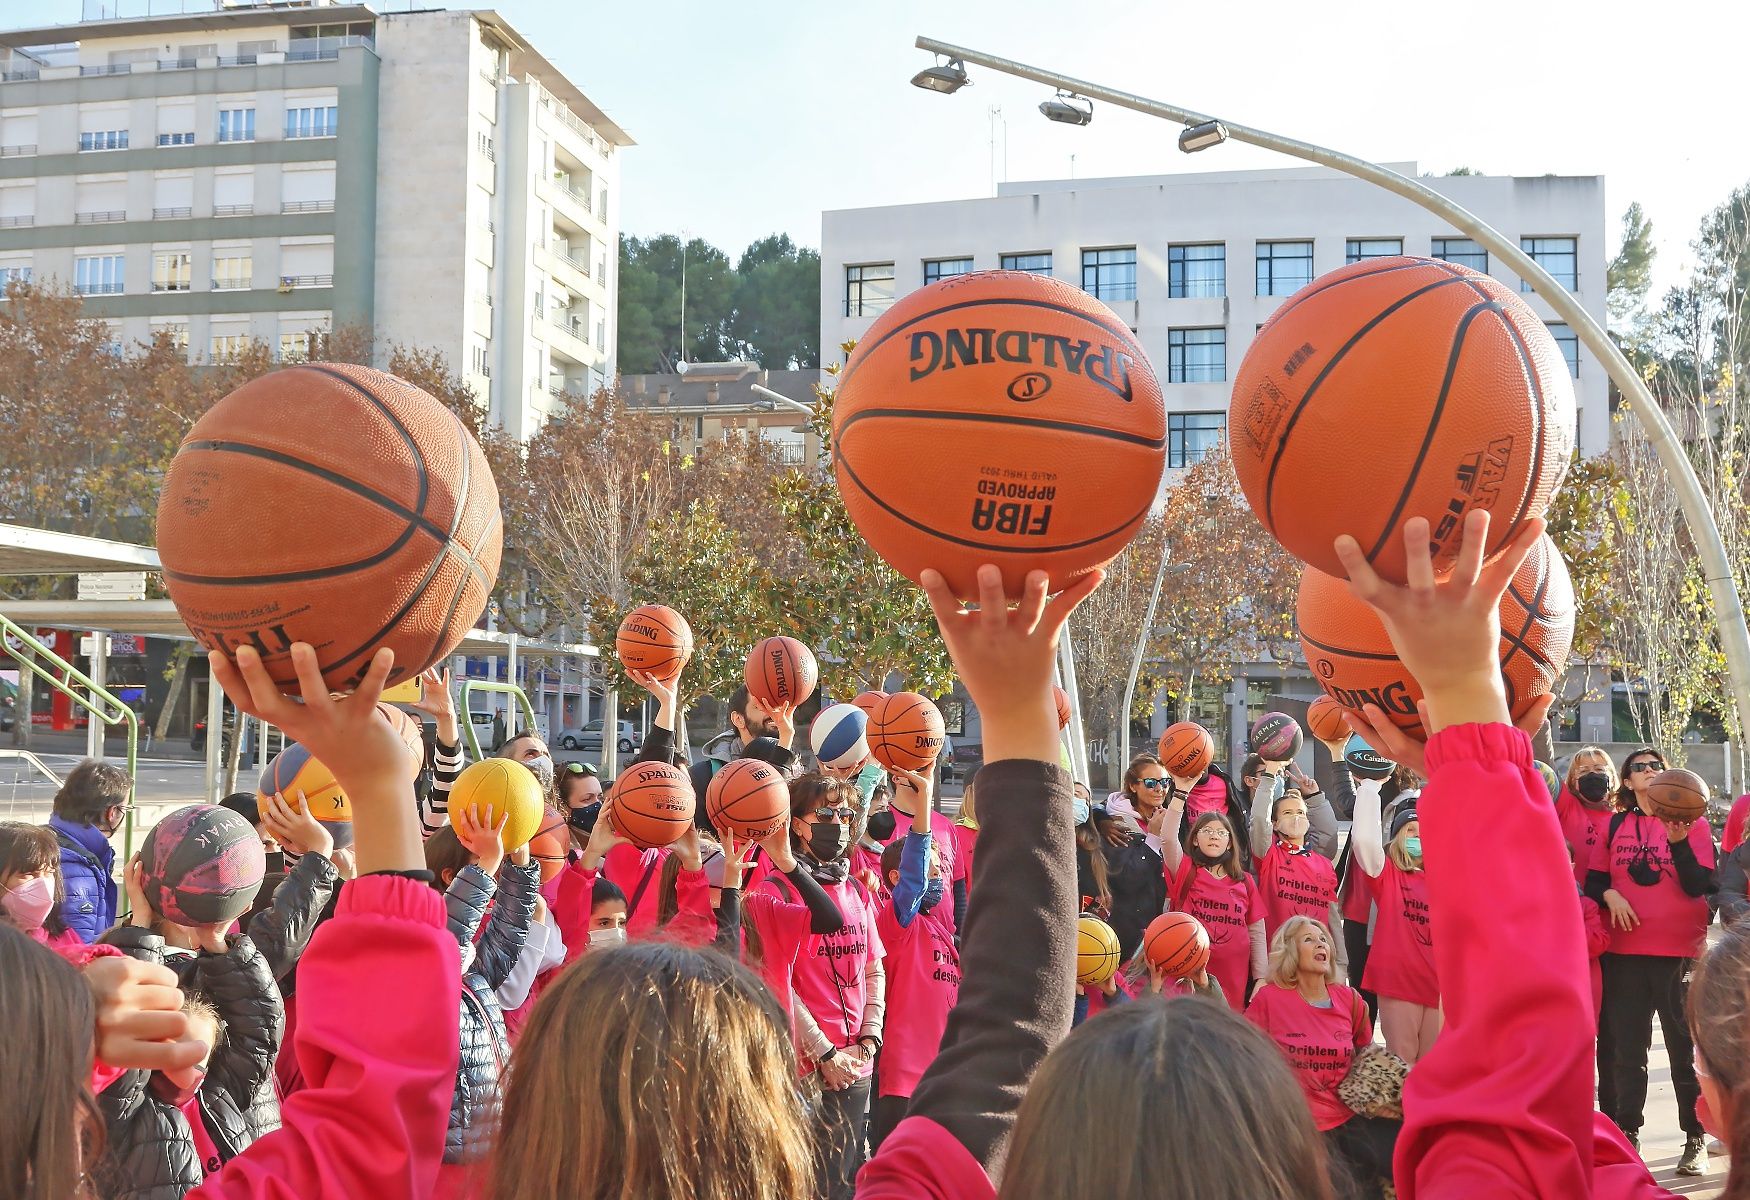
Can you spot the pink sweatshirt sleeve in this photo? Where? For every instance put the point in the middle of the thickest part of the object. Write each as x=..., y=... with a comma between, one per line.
x=571, y=902
x=376, y=1038
x=695, y=921
x=1502, y=1106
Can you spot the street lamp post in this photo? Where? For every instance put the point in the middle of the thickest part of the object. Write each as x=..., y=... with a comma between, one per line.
x=1203, y=131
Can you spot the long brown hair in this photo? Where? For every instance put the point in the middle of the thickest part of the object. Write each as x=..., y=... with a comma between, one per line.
x=653, y=1070
x=1088, y=839
x=1093, y=1120
x=49, y=1124
x=1719, y=1019
x=1229, y=863
x=27, y=849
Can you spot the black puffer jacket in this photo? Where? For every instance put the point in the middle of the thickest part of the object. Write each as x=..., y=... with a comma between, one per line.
x=485, y=964
x=151, y=1153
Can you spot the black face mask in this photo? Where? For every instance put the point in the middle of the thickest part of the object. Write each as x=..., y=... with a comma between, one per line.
x=882, y=824
x=1593, y=786
x=583, y=817
x=828, y=841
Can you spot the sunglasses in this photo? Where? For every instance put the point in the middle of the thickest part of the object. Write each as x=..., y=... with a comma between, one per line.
x=1154, y=785
x=577, y=768
x=835, y=814
x=1647, y=765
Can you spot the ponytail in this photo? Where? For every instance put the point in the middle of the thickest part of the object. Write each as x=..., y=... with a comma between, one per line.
x=1719, y=1020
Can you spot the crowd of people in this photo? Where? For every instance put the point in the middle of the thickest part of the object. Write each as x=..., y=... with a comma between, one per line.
x=875, y=1002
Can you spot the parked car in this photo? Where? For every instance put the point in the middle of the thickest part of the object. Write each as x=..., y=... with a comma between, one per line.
x=589, y=737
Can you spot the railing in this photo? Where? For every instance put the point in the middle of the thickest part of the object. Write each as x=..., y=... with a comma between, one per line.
x=178, y=64
x=233, y=135
x=483, y=298
x=98, y=289
x=325, y=48
x=582, y=265
x=323, y=130
x=170, y=285
x=307, y=206
x=233, y=283
x=540, y=310
x=490, y=77
x=108, y=139
x=111, y=69
x=485, y=148
x=240, y=60
x=572, y=325
x=233, y=210
x=22, y=150
x=172, y=214
x=17, y=222
x=601, y=274
x=305, y=281
x=21, y=76
x=99, y=218
x=581, y=199
x=176, y=139
x=571, y=119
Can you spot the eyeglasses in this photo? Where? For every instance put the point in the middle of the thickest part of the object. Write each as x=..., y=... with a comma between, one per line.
x=1153, y=785
x=1647, y=765
x=577, y=768
x=835, y=814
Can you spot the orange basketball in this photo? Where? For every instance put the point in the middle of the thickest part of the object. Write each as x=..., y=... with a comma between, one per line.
x=1187, y=749
x=652, y=804
x=1324, y=720
x=335, y=505
x=869, y=701
x=1676, y=795
x=1063, y=708
x=1352, y=659
x=780, y=671
x=1044, y=426
x=550, y=843
x=656, y=639
x=906, y=732
x=1176, y=945
x=748, y=797
x=411, y=732
x=1438, y=387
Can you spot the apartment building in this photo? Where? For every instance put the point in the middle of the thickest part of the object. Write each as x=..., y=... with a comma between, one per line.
x=1195, y=263
x=262, y=171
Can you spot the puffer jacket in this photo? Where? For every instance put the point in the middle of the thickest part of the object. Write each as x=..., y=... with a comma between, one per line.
x=151, y=1152
x=485, y=1049
x=283, y=928
x=87, y=878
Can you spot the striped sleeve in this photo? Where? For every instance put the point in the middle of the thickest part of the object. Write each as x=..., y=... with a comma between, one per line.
x=434, y=806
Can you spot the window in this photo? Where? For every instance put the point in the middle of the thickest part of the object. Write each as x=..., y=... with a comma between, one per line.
x=237, y=125
x=1190, y=436
x=233, y=270
x=98, y=199
x=98, y=275
x=176, y=139
x=306, y=263
x=482, y=363
x=11, y=273
x=1462, y=251
x=868, y=289
x=1199, y=270
x=17, y=206
x=1196, y=355
x=176, y=124
x=1557, y=255
x=1284, y=267
x=483, y=147
x=601, y=334
x=1037, y=264
x=172, y=271
x=1569, y=341
x=104, y=139
x=313, y=122
x=234, y=193
x=172, y=197
x=295, y=347
x=1110, y=274
x=176, y=331
x=1357, y=249
x=229, y=346
x=938, y=269
x=309, y=190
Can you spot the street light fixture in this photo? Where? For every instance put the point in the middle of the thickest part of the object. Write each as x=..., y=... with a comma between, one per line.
x=1068, y=109
x=946, y=78
x=1202, y=137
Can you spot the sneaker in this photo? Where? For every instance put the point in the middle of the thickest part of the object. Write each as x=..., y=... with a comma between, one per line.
x=1694, y=1160
x=1634, y=1139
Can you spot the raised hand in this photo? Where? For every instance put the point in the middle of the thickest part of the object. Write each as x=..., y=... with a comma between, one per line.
x=295, y=828
x=481, y=836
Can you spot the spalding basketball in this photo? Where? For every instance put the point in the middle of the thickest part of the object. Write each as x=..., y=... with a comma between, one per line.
x=1676, y=795
x=906, y=733
x=869, y=701
x=1324, y=720
x=1352, y=659
x=1045, y=428
x=551, y=842
x=1176, y=945
x=839, y=736
x=1276, y=737
x=781, y=671
x=750, y=798
x=202, y=865
x=295, y=771
x=652, y=804
x=655, y=639
x=1061, y=698
x=1481, y=411
x=1097, y=951
x=335, y=505
x=412, y=734
x=505, y=787
x=1186, y=750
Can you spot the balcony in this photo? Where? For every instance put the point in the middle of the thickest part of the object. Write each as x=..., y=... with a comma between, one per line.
x=233, y=283
x=108, y=69
x=20, y=75
x=172, y=214
x=108, y=139
x=233, y=210
x=20, y=222
x=107, y=217
x=316, y=49
x=291, y=282
x=170, y=285
x=22, y=150
x=98, y=289
x=580, y=198
x=307, y=206
x=176, y=139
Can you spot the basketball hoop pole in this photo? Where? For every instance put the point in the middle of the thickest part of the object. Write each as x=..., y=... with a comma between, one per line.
x=1716, y=564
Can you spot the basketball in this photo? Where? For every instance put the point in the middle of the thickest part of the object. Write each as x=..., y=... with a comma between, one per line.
x=505, y=787
x=652, y=803
x=1364, y=762
x=838, y=736
x=1276, y=737
x=334, y=505
x=749, y=798
x=1480, y=412
x=869, y=702
x=202, y=865
x=550, y=843
x=1187, y=750
x=1676, y=795
x=655, y=639
x=294, y=771
x=1044, y=426
x=1352, y=659
x=1176, y=945
x=1324, y=720
x=906, y=733
x=1096, y=951
x=781, y=671
x=1063, y=706
x=411, y=731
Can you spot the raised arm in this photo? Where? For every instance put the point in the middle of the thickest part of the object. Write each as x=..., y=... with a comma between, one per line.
x=240, y=983
x=1172, y=821
x=1366, y=837
x=1260, y=815
x=282, y=929
x=507, y=928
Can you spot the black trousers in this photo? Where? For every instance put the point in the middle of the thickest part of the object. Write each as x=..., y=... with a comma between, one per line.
x=840, y=1126
x=1635, y=987
x=1355, y=942
x=884, y=1114
x=1361, y=1148
x=1606, y=1064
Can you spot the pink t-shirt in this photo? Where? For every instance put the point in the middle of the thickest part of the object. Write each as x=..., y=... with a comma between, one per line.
x=781, y=923
x=1583, y=828
x=1401, y=962
x=1208, y=796
x=1319, y=1043
x=965, y=842
x=1673, y=923
x=204, y=1147
x=923, y=982
x=828, y=976
x=1295, y=883
x=1357, y=889
x=1227, y=908
x=626, y=867
x=1732, y=836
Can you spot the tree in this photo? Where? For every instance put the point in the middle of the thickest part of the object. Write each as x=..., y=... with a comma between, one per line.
x=776, y=322
x=655, y=274
x=1630, y=274
x=1584, y=520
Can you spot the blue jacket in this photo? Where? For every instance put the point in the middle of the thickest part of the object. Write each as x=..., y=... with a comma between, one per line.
x=88, y=874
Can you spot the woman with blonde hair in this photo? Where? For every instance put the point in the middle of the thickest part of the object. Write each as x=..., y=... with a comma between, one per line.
x=1584, y=805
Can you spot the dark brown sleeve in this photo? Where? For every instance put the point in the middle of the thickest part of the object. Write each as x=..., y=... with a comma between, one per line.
x=1017, y=959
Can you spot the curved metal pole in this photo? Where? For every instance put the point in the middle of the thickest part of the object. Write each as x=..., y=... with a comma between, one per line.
x=1716, y=564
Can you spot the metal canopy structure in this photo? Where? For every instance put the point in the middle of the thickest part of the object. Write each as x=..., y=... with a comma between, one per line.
x=26, y=551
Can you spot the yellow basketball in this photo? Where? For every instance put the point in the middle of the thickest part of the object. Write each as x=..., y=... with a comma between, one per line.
x=504, y=787
x=1096, y=951
x=295, y=770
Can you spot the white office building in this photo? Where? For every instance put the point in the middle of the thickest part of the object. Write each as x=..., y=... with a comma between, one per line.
x=1194, y=263
x=241, y=171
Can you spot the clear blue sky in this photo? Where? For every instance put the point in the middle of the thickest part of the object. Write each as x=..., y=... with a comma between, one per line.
x=753, y=117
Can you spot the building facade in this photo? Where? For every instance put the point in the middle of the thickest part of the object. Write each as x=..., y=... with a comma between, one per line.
x=265, y=171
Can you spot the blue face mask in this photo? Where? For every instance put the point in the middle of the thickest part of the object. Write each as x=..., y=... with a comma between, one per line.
x=932, y=893
x=1079, y=809
x=1413, y=847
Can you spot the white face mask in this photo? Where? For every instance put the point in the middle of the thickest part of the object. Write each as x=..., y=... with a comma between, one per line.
x=1293, y=828
x=614, y=936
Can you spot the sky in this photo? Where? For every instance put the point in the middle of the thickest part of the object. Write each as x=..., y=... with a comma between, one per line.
x=751, y=118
